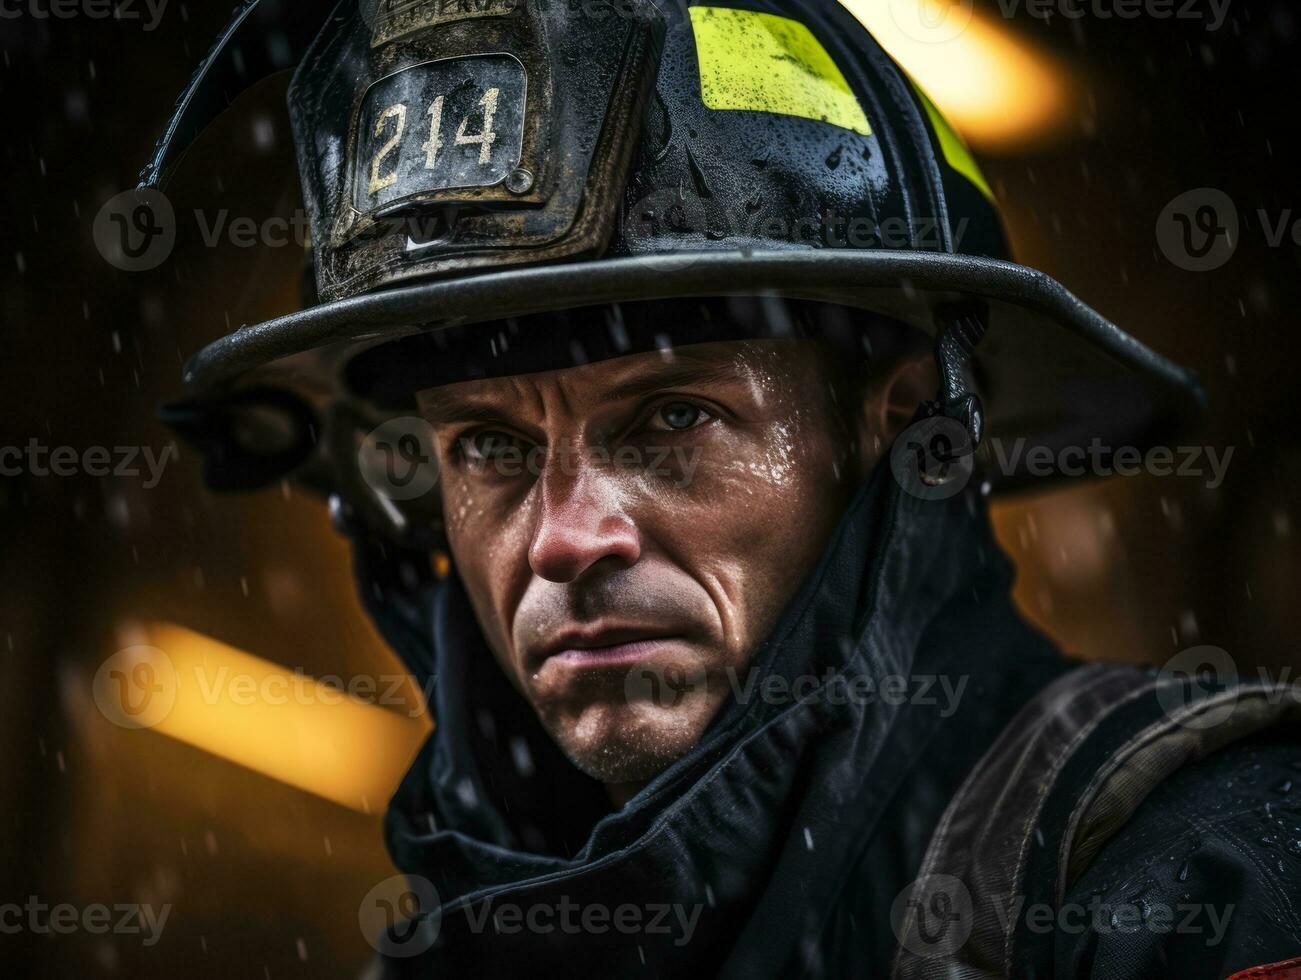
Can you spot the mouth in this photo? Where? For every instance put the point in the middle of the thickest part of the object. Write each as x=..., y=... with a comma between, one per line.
x=603, y=647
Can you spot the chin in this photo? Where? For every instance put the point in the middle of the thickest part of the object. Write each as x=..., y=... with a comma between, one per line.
x=618, y=742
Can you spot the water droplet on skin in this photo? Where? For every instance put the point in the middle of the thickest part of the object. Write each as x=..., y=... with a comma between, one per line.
x=1284, y=787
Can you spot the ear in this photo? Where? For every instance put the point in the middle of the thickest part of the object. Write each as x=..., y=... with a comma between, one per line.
x=889, y=404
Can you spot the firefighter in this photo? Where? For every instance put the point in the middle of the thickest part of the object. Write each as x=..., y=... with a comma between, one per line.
x=652, y=360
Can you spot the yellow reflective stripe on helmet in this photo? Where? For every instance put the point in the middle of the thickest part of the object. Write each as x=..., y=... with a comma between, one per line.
x=763, y=63
x=953, y=146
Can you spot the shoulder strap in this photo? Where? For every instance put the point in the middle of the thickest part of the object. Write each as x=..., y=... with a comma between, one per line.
x=958, y=920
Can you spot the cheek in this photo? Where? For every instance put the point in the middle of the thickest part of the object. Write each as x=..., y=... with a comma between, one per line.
x=785, y=465
x=754, y=518
x=489, y=543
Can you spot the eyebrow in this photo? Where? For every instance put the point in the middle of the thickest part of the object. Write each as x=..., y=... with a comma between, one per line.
x=444, y=408
x=672, y=375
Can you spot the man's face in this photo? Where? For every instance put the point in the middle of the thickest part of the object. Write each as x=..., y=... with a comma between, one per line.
x=640, y=518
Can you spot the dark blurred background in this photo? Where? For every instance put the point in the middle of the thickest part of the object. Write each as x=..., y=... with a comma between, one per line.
x=1095, y=125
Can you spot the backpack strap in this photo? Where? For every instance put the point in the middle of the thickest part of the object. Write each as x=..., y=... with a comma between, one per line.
x=1116, y=732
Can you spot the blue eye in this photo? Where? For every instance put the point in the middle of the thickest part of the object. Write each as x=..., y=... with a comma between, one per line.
x=679, y=416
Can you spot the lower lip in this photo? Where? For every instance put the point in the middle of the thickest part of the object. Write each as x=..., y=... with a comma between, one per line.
x=616, y=655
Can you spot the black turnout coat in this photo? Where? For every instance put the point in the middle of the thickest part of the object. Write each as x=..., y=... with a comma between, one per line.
x=785, y=843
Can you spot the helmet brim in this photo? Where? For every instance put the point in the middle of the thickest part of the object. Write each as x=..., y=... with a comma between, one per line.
x=1052, y=371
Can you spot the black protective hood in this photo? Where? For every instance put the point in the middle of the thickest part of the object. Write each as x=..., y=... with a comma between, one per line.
x=750, y=838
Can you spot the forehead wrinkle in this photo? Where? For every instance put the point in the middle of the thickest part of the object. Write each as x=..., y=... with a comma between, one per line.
x=568, y=388
x=600, y=383
x=491, y=399
x=530, y=391
x=694, y=365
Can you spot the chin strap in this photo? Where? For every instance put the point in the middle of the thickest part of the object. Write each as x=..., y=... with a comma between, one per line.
x=960, y=330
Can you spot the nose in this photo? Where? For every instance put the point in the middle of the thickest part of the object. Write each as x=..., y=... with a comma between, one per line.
x=580, y=522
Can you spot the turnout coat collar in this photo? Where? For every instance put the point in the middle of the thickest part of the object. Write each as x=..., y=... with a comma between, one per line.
x=740, y=858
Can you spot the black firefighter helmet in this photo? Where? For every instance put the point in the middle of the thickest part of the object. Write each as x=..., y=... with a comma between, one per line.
x=503, y=186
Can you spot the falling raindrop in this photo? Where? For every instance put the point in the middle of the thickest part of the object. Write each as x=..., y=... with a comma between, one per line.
x=521, y=756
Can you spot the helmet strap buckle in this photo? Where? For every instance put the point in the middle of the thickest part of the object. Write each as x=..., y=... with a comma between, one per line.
x=961, y=327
